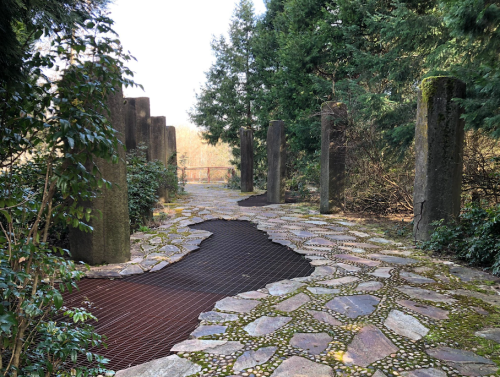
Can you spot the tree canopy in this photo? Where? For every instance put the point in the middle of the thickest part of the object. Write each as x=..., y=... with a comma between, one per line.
x=369, y=54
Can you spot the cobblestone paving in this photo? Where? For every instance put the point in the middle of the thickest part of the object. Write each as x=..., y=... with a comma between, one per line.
x=373, y=307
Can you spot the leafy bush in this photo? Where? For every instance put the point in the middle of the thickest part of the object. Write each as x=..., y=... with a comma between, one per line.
x=145, y=180
x=233, y=182
x=475, y=238
x=51, y=131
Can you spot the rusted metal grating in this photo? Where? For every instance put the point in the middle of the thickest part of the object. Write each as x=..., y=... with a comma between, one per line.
x=143, y=316
x=261, y=200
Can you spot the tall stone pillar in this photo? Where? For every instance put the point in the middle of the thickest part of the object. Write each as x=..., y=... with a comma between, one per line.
x=333, y=154
x=276, y=159
x=159, y=147
x=246, y=145
x=171, y=146
x=130, y=124
x=159, y=139
x=439, y=139
x=143, y=123
x=110, y=240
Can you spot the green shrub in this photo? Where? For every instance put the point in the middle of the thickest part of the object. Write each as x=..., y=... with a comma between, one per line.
x=51, y=133
x=233, y=182
x=145, y=179
x=475, y=238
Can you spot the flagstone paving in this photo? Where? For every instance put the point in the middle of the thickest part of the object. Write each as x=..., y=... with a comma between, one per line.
x=365, y=311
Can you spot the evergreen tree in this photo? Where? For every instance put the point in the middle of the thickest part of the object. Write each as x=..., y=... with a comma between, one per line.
x=226, y=101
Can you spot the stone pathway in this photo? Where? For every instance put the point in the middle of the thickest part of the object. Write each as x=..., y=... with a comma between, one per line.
x=372, y=307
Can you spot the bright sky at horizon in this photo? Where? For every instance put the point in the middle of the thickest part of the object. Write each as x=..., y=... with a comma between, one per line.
x=171, y=41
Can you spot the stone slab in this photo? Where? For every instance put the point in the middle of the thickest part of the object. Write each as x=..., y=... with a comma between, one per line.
x=489, y=333
x=196, y=345
x=283, y=287
x=293, y=303
x=324, y=317
x=303, y=233
x=231, y=304
x=392, y=259
x=340, y=237
x=265, y=325
x=354, y=306
x=380, y=240
x=217, y=317
x=205, y=330
x=132, y=270
x=415, y=278
x=320, y=242
x=469, y=274
x=249, y=359
x=427, y=310
x=313, y=343
x=369, y=286
x=324, y=271
x=255, y=295
x=425, y=294
x=323, y=291
x=425, y=372
x=226, y=349
x=355, y=259
x=466, y=362
x=382, y=272
x=348, y=267
x=368, y=345
x=405, y=325
x=339, y=281
x=490, y=299
x=296, y=366
x=169, y=366
x=362, y=245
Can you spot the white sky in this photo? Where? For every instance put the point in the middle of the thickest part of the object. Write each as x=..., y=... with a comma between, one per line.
x=171, y=41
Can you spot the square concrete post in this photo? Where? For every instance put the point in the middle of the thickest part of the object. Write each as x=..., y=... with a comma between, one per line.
x=246, y=146
x=276, y=162
x=110, y=240
x=439, y=139
x=171, y=145
x=333, y=154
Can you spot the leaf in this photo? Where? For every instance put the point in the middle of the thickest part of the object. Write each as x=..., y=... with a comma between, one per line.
x=7, y=216
x=58, y=300
x=71, y=142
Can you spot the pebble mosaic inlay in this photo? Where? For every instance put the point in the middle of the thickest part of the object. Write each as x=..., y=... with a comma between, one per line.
x=365, y=311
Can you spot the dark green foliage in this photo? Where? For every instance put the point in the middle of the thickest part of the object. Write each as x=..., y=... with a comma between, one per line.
x=144, y=180
x=50, y=132
x=22, y=22
x=475, y=238
x=370, y=55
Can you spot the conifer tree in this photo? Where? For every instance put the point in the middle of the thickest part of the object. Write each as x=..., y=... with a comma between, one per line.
x=226, y=101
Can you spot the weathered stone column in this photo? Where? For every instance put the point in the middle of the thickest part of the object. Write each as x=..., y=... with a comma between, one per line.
x=159, y=147
x=159, y=139
x=143, y=123
x=439, y=139
x=130, y=124
x=171, y=146
x=246, y=145
x=333, y=153
x=276, y=159
x=110, y=240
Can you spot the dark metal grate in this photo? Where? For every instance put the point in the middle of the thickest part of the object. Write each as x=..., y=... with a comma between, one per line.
x=261, y=200
x=143, y=316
